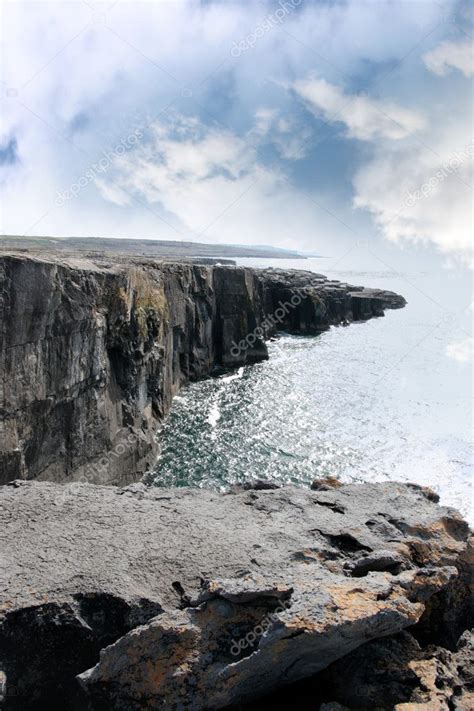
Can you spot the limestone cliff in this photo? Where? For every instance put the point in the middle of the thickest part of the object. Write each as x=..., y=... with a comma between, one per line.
x=93, y=349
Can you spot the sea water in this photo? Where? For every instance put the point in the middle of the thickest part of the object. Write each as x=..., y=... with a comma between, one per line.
x=383, y=400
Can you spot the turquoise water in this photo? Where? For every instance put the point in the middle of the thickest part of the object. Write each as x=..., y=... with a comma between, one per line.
x=381, y=400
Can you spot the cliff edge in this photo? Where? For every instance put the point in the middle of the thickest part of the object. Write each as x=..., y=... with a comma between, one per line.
x=93, y=349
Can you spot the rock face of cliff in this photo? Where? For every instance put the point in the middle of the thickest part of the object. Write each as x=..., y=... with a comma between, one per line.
x=93, y=350
x=125, y=599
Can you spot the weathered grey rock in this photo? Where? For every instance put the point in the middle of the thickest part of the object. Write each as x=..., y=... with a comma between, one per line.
x=396, y=674
x=3, y=687
x=190, y=599
x=448, y=614
x=93, y=349
x=326, y=484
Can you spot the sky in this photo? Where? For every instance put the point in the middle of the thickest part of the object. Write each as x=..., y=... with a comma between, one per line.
x=310, y=125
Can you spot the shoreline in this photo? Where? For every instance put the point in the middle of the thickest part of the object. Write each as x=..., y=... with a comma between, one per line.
x=96, y=348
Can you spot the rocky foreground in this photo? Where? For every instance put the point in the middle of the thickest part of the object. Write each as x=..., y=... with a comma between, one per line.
x=189, y=599
x=93, y=349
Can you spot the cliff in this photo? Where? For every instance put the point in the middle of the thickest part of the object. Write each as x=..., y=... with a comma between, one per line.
x=189, y=599
x=93, y=349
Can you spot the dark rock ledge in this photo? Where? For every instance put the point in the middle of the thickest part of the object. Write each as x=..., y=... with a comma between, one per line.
x=93, y=349
x=188, y=599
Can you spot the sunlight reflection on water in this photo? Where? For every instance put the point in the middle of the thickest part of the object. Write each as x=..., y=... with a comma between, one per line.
x=370, y=402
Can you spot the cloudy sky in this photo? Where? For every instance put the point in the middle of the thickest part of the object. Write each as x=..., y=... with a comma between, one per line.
x=312, y=125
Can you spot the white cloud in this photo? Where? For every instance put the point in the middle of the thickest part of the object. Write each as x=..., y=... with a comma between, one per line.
x=79, y=79
x=451, y=55
x=212, y=182
x=292, y=140
x=461, y=351
x=417, y=181
x=420, y=191
x=290, y=137
x=191, y=170
x=111, y=193
x=365, y=118
x=264, y=119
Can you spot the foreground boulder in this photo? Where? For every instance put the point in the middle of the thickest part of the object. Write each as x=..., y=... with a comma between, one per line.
x=190, y=599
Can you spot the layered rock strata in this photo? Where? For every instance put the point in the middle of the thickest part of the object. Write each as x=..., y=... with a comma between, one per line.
x=93, y=350
x=189, y=599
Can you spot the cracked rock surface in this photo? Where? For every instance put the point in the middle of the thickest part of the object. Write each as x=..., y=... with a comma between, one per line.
x=189, y=599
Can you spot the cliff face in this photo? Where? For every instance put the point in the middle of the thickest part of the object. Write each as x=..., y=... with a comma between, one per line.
x=93, y=350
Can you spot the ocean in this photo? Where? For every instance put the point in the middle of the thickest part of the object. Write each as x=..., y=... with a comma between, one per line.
x=387, y=399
